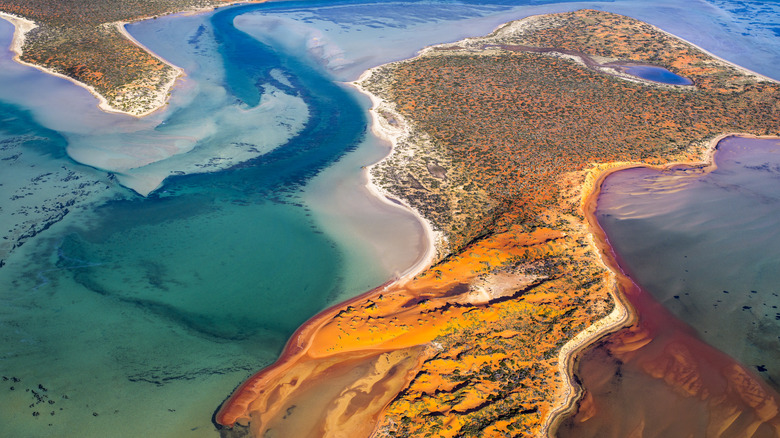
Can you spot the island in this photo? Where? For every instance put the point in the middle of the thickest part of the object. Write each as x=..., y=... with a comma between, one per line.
x=500, y=144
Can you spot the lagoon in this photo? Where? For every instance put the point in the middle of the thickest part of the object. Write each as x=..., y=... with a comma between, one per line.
x=707, y=246
x=657, y=74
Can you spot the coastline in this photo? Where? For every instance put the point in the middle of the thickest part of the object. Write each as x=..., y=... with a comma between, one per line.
x=623, y=315
x=296, y=349
x=393, y=135
x=296, y=346
x=161, y=97
x=739, y=68
x=22, y=26
x=301, y=340
x=468, y=44
x=389, y=125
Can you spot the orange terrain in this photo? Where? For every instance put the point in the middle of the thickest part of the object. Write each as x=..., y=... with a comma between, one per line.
x=505, y=141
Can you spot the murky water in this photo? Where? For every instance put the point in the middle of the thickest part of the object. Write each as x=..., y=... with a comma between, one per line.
x=704, y=248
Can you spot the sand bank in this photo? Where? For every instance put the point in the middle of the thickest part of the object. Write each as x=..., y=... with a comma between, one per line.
x=161, y=96
x=21, y=27
x=305, y=371
x=306, y=384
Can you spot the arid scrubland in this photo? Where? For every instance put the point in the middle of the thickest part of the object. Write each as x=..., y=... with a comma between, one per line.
x=518, y=122
x=500, y=143
x=82, y=40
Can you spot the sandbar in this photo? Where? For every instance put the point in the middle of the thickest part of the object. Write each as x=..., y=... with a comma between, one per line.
x=309, y=366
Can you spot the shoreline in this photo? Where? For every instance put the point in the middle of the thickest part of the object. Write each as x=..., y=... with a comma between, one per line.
x=295, y=346
x=298, y=345
x=508, y=27
x=623, y=315
x=300, y=341
x=23, y=25
x=161, y=97
x=738, y=67
x=392, y=136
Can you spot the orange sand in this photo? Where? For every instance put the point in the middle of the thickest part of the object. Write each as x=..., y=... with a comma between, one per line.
x=374, y=327
x=344, y=366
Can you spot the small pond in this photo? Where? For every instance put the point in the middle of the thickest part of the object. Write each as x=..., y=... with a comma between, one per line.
x=655, y=74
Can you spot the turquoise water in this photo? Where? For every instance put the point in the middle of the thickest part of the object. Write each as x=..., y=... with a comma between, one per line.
x=129, y=315
x=126, y=311
x=657, y=74
x=127, y=307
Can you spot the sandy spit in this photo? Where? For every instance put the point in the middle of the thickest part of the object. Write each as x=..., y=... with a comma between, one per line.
x=22, y=26
x=161, y=97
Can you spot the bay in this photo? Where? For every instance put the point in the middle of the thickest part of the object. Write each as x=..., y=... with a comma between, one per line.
x=702, y=249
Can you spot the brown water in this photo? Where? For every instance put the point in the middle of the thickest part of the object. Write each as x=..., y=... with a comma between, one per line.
x=704, y=249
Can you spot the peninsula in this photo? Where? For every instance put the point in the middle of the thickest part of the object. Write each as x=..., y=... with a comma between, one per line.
x=85, y=41
x=500, y=143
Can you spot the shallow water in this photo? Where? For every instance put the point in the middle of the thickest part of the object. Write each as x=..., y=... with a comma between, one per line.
x=657, y=74
x=704, y=248
x=708, y=246
x=186, y=291
x=155, y=308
